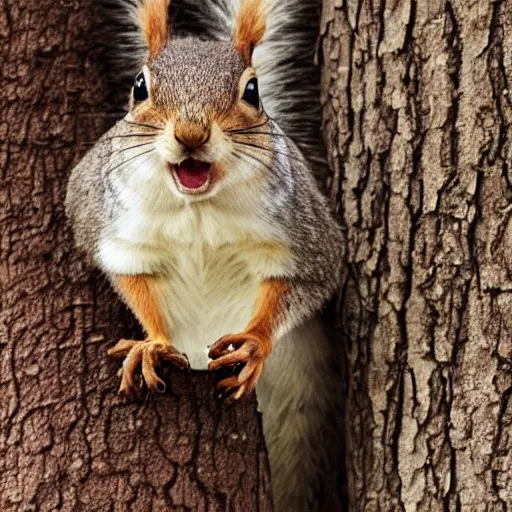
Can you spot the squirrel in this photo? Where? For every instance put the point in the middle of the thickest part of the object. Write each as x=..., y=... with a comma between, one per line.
x=203, y=212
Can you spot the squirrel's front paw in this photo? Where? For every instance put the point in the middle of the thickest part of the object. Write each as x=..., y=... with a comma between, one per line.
x=247, y=349
x=147, y=354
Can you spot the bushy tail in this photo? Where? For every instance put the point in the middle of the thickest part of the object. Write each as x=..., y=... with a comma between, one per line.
x=301, y=405
x=289, y=80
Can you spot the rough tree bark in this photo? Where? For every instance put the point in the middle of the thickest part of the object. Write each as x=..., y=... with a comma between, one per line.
x=67, y=441
x=418, y=111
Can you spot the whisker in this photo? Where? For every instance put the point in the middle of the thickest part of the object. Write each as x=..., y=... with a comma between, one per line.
x=112, y=187
x=274, y=134
x=255, y=146
x=127, y=135
x=271, y=150
x=110, y=170
x=249, y=127
x=146, y=125
x=121, y=150
x=239, y=154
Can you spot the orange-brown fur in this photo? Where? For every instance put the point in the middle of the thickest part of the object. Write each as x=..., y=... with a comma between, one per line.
x=270, y=304
x=136, y=290
x=239, y=118
x=153, y=17
x=147, y=354
x=250, y=28
x=190, y=134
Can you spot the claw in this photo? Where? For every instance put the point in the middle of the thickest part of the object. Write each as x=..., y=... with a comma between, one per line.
x=153, y=381
x=146, y=354
x=249, y=352
x=169, y=353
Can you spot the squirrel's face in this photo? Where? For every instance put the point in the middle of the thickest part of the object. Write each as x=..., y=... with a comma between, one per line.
x=204, y=102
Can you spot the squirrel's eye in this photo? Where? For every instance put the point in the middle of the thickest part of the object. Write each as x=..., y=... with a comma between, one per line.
x=251, y=94
x=140, y=91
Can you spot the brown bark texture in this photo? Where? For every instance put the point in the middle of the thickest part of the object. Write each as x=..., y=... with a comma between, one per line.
x=417, y=106
x=67, y=440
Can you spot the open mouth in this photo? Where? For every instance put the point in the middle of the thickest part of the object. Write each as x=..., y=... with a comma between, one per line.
x=192, y=176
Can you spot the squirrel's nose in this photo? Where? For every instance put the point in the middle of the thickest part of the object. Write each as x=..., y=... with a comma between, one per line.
x=190, y=134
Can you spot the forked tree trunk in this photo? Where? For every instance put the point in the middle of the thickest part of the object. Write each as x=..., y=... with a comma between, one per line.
x=417, y=106
x=68, y=441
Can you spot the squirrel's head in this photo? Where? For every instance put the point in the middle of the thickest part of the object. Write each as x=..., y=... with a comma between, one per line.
x=200, y=100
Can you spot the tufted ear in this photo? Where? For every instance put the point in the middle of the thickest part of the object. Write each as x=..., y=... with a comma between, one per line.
x=154, y=22
x=250, y=27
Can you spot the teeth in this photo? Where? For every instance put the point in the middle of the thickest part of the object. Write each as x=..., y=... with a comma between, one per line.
x=191, y=191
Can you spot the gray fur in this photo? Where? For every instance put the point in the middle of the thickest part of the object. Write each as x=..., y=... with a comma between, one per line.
x=210, y=74
x=305, y=216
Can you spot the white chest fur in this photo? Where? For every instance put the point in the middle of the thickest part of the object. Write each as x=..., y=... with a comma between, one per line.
x=210, y=260
x=206, y=296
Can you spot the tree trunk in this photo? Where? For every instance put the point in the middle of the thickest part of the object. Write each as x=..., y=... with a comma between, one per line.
x=68, y=441
x=418, y=109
